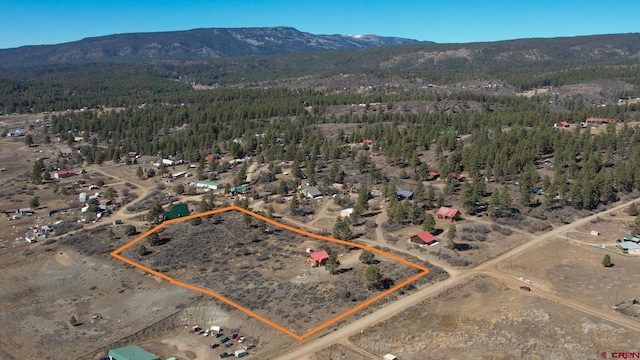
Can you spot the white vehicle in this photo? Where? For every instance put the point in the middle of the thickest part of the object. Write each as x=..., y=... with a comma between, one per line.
x=216, y=329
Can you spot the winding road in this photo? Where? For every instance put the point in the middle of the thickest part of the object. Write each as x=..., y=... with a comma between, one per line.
x=308, y=347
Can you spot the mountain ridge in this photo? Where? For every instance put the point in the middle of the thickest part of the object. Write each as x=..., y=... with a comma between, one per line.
x=201, y=43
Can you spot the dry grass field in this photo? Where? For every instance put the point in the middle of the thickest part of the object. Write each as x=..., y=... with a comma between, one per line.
x=483, y=319
x=266, y=272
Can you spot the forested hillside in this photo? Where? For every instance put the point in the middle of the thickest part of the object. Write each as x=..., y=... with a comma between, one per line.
x=278, y=108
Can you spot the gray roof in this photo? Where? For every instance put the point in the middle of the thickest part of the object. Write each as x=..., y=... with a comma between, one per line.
x=311, y=191
x=629, y=245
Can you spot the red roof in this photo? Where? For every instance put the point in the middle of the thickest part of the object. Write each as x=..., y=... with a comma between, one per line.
x=66, y=172
x=434, y=173
x=447, y=212
x=425, y=236
x=209, y=157
x=564, y=124
x=319, y=256
x=367, y=141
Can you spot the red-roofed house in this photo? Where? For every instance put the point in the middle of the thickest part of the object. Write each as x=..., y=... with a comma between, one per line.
x=64, y=174
x=317, y=258
x=448, y=213
x=433, y=175
x=423, y=238
x=368, y=141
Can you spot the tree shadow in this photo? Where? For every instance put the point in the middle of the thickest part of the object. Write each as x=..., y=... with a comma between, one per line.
x=343, y=270
x=463, y=247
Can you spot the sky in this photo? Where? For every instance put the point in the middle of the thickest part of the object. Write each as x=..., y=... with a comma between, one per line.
x=39, y=22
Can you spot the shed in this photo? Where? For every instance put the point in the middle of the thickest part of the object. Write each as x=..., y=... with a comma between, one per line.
x=389, y=357
x=132, y=352
x=317, y=258
x=595, y=232
x=179, y=210
x=83, y=197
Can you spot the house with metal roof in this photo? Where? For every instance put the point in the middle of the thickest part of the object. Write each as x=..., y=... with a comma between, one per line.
x=242, y=189
x=423, y=238
x=310, y=192
x=317, y=258
x=629, y=247
x=404, y=194
x=209, y=185
x=448, y=213
x=132, y=352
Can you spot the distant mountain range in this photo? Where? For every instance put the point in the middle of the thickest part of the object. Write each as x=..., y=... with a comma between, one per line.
x=191, y=44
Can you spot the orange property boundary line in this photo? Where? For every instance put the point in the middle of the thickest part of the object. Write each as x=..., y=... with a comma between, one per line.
x=424, y=270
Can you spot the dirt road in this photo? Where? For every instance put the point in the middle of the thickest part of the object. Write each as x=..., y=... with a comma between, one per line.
x=309, y=347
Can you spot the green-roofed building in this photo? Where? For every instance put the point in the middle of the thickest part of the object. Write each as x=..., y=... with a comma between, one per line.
x=179, y=210
x=240, y=189
x=132, y=352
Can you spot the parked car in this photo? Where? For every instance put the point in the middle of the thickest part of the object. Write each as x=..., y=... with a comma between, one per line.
x=234, y=335
x=219, y=335
x=224, y=340
x=214, y=345
x=229, y=344
x=525, y=288
x=241, y=339
x=249, y=347
x=224, y=355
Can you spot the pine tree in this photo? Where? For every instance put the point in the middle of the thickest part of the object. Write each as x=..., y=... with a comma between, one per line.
x=429, y=223
x=36, y=173
x=606, y=261
x=451, y=237
x=373, y=277
x=366, y=257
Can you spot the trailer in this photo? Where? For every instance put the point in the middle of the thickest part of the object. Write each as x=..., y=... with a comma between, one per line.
x=241, y=353
x=215, y=328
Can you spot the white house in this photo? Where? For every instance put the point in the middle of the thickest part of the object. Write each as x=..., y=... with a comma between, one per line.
x=209, y=185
